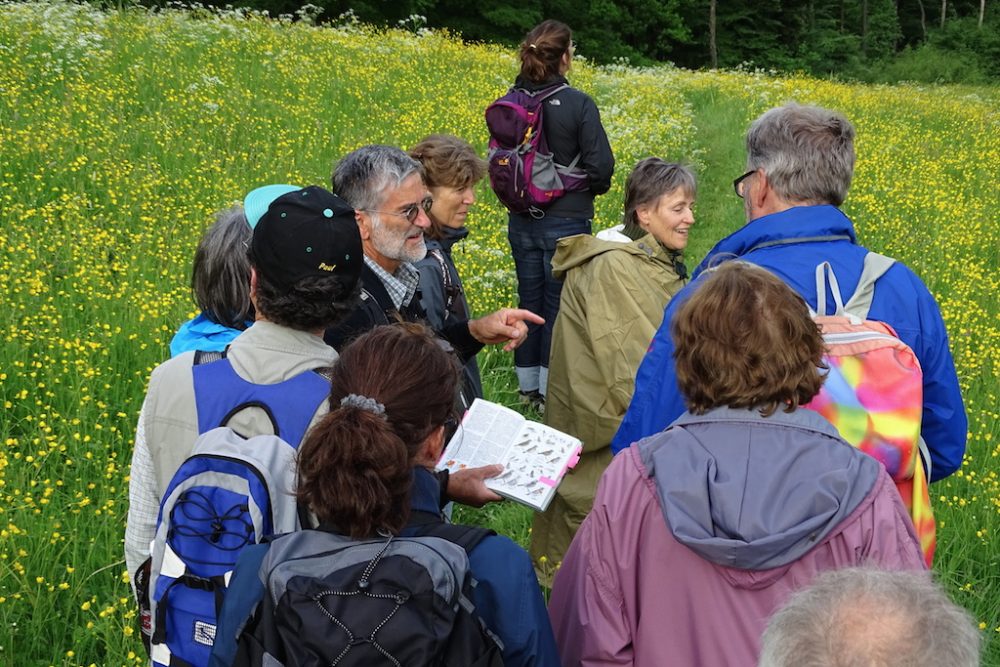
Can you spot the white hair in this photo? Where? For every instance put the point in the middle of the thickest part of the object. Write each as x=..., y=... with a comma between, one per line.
x=865, y=617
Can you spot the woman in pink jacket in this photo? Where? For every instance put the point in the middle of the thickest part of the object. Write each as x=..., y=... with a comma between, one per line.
x=700, y=532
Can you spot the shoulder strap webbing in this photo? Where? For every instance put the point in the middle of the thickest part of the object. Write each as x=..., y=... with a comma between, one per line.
x=206, y=357
x=874, y=268
x=431, y=525
x=449, y=293
x=826, y=277
x=571, y=168
x=372, y=286
x=544, y=93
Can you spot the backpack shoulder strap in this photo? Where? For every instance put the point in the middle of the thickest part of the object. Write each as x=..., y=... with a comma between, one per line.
x=426, y=524
x=825, y=277
x=220, y=393
x=875, y=267
x=373, y=291
x=858, y=305
x=446, y=281
x=543, y=95
x=539, y=95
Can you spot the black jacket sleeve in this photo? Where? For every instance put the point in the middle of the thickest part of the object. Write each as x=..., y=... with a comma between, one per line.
x=464, y=344
x=595, y=151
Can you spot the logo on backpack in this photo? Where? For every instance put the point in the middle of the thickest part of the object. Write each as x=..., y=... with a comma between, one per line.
x=873, y=392
x=230, y=492
x=328, y=599
x=522, y=170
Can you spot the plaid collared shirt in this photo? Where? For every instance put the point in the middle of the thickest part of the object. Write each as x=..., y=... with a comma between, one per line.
x=401, y=286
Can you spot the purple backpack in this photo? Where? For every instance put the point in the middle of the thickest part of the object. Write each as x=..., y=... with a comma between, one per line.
x=522, y=171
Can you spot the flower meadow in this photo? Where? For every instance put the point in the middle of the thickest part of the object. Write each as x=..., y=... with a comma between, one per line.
x=122, y=132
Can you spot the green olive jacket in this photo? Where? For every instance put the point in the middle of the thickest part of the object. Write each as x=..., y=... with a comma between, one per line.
x=613, y=299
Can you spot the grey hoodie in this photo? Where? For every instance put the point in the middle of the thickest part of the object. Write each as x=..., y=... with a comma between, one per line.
x=752, y=492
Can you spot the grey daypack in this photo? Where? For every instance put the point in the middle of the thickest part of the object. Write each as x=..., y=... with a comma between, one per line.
x=331, y=600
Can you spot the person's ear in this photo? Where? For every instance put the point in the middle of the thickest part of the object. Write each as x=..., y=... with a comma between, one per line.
x=430, y=450
x=760, y=189
x=253, y=291
x=642, y=214
x=364, y=224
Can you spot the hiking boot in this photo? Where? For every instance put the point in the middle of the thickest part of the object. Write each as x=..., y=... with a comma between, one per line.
x=533, y=398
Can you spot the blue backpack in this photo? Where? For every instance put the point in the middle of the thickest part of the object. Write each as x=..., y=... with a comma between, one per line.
x=232, y=491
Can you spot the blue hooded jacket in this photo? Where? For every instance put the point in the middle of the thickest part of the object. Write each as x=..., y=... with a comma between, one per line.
x=818, y=234
x=201, y=333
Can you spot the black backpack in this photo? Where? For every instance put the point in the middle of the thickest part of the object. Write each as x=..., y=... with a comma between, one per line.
x=331, y=600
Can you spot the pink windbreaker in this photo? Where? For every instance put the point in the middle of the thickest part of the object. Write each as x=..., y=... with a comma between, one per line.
x=776, y=499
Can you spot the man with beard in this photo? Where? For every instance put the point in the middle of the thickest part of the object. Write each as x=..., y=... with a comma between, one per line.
x=386, y=187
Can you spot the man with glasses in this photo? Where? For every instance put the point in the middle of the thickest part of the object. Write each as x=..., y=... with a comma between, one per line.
x=387, y=189
x=800, y=161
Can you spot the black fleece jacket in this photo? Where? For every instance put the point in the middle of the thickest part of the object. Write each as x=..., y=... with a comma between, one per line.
x=572, y=126
x=376, y=309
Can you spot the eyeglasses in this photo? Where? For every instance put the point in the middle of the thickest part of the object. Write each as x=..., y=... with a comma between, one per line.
x=738, y=183
x=410, y=212
x=450, y=428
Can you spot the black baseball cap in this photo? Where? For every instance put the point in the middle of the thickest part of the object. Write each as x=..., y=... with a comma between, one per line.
x=303, y=232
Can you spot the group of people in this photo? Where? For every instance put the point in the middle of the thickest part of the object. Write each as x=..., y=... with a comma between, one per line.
x=706, y=498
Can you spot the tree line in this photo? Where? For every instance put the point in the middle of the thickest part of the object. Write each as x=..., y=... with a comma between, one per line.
x=872, y=40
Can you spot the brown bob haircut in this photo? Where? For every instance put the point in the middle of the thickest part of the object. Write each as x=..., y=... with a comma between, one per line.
x=448, y=162
x=744, y=339
x=356, y=465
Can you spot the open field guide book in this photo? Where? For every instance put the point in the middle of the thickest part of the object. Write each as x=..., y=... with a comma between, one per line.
x=534, y=456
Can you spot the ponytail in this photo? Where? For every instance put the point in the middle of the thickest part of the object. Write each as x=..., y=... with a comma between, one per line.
x=542, y=50
x=391, y=388
x=355, y=473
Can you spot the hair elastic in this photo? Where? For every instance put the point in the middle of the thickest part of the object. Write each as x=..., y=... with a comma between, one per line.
x=363, y=403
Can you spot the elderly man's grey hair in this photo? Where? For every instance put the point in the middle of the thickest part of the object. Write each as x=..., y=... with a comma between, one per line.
x=807, y=153
x=364, y=176
x=220, y=275
x=863, y=617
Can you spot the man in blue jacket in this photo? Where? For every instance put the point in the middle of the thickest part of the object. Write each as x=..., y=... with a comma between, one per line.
x=800, y=161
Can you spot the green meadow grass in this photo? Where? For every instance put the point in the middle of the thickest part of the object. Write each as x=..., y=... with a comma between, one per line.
x=122, y=132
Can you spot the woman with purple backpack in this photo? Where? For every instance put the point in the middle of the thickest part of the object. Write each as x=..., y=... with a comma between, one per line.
x=571, y=126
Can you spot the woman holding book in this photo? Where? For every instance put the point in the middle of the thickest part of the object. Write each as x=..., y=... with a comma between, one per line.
x=615, y=288
x=366, y=470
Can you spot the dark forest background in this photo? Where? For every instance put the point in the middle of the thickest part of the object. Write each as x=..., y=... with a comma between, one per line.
x=867, y=40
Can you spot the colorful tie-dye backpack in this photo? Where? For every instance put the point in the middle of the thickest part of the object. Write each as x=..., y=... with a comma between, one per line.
x=873, y=392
